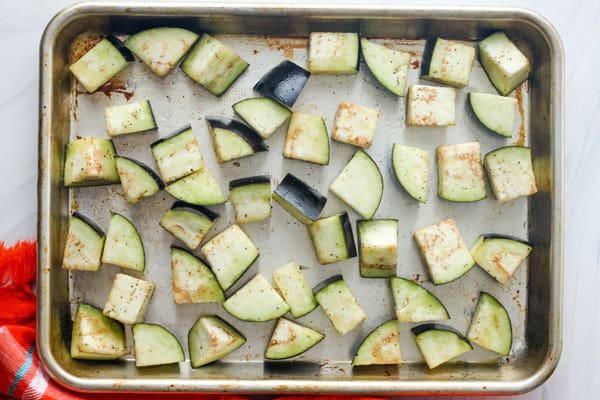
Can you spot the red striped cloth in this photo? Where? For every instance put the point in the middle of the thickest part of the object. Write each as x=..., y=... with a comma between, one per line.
x=21, y=376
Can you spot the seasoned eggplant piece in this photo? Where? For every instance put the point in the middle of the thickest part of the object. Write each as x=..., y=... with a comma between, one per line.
x=262, y=114
x=212, y=338
x=96, y=336
x=500, y=255
x=154, y=345
x=333, y=53
x=380, y=347
x=83, y=246
x=200, y=188
x=188, y=223
x=290, y=339
x=161, y=48
x=440, y=343
x=251, y=198
x=106, y=59
x=213, y=65
x=332, y=238
x=299, y=199
x=506, y=66
x=283, y=83
x=447, y=61
x=192, y=280
x=137, y=179
x=256, y=301
x=90, y=161
x=232, y=139
x=340, y=305
x=510, y=170
x=177, y=155
x=388, y=66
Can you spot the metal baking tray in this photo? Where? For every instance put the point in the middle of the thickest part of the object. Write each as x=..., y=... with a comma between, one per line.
x=264, y=35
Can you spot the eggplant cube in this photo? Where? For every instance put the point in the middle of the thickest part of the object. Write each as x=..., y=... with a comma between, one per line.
x=460, y=172
x=106, y=59
x=229, y=254
x=430, y=106
x=332, y=238
x=510, y=171
x=333, y=52
x=299, y=199
x=448, y=62
x=444, y=251
x=178, y=155
x=503, y=62
x=340, y=305
x=83, y=247
x=251, y=198
x=128, y=299
x=213, y=65
x=378, y=247
x=90, y=161
x=307, y=139
x=355, y=124
x=283, y=83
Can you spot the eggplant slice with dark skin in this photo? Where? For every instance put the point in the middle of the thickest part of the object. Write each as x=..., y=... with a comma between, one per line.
x=302, y=201
x=225, y=131
x=283, y=83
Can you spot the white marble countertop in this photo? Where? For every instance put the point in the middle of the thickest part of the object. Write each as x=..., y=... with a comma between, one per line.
x=21, y=25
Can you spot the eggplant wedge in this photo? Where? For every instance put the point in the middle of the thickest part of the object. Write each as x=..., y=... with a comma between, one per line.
x=299, y=199
x=188, y=222
x=332, y=238
x=290, y=339
x=440, y=343
x=232, y=139
x=283, y=83
x=251, y=198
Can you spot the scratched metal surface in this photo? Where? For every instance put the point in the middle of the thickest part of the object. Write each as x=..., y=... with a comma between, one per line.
x=177, y=100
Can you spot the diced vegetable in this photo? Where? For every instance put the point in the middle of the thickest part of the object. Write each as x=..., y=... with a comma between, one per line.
x=83, y=246
x=333, y=53
x=229, y=254
x=340, y=305
x=188, y=223
x=211, y=339
x=123, y=246
x=414, y=303
x=380, y=347
x=137, y=179
x=294, y=289
x=460, y=172
x=332, y=238
x=90, y=161
x=444, y=251
x=178, y=155
x=213, y=65
x=256, y=301
x=307, y=139
x=378, y=247
x=430, y=106
x=283, y=83
x=129, y=118
x=411, y=168
x=510, y=171
x=290, y=339
x=262, y=114
x=506, y=66
x=490, y=326
x=360, y=184
x=299, y=199
x=388, y=66
x=497, y=113
x=105, y=60
x=251, y=198
x=199, y=188
x=355, y=124
x=232, y=139
x=161, y=48
x=128, y=299
x=500, y=255
x=154, y=345
x=96, y=336
x=447, y=61
x=192, y=280
x=439, y=343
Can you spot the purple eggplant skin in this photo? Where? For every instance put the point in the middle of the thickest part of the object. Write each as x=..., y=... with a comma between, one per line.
x=427, y=53
x=348, y=236
x=251, y=180
x=417, y=330
x=327, y=282
x=88, y=221
x=127, y=55
x=487, y=236
x=182, y=205
x=241, y=129
x=177, y=132
x=303, y=197
x=146, y=168
x=283, y=83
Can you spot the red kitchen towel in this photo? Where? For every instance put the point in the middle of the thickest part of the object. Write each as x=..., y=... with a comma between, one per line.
x=21, y=375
